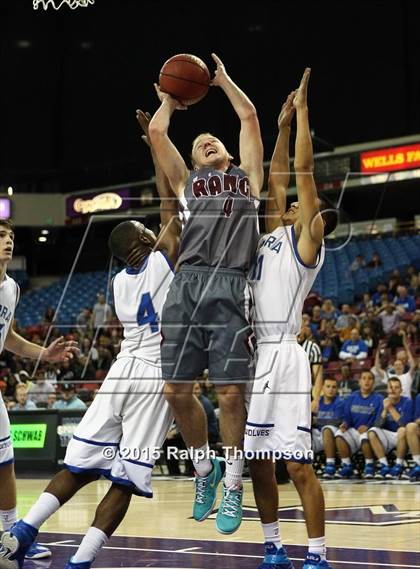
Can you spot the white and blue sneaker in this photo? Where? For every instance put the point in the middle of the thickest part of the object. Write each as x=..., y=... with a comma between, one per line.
x=346, y=471
x=83, y=565
x=229, y=515
x=369, y=471
x=313, y=561
x=395, y=472
x=18, y=543
x=383, y=472
x=329, y=472
x=275, y=558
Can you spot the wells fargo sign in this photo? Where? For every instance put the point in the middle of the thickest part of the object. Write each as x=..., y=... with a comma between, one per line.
x=389, y=159
x=93, y=203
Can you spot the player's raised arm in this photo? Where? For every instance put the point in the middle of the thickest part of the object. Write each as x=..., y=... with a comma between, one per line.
x=250, y=143
x=168, y=238
x=279, y=175
x=170, y=159
x=312, y=231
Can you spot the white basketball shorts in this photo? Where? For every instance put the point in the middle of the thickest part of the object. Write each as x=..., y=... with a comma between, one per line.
x=6, y=448
x=121, y=434
x=317, y=437
x=279, y=416
x=387, y=438
x=353, y=438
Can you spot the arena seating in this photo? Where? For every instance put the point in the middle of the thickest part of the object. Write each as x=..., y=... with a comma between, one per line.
x=335, y=280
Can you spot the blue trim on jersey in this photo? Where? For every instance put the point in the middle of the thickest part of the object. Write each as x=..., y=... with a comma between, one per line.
x=133, y=271
x=5, y=439
x=96, y=443
x=304, y=429
x=7, y=462
x=260, y=424
x=138, y=463
x=167, y=260
x=79, y=470
x=131, y=485
x=298, y=257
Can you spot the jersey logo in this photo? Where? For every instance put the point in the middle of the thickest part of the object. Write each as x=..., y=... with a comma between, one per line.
x=266, y=386
x=147, y=314
x=216, y=185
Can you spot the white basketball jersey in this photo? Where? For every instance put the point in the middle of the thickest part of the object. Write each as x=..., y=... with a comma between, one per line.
x=281, y=282
x=9, y=297
x=139, y=297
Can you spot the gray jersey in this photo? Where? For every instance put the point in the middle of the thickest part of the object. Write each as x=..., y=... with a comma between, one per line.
x=220, y=219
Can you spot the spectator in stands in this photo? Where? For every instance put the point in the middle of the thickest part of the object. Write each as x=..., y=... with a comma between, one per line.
x=51, y=373
x=328, y=310
x=88, y=351
x=375, y=261
x=343, y=319
x=22, y=401
x=377, y=296
x=326, y=422
x=347, y=381
x=373, y=321
x=407, y=377
x=102, y=312
x=84, y=321
x=380, y=367
x=414, y=286
x=52, y=398
x=313, y=351
x=40, y=389
x=49, y=315
x=389, y=432
x=412, y=431
x=24, y=377
x=404, y=301
x=116, y=339
x=316, y=320
x=370, y=339
x=104, y=363
x=354, y=349
x=366, y=303
x=212, y=426
x=69, y=400
x=361, y=411
x=11, y=381
x=330, y=343
x=393, y=284
x=345, y=333
x=66, y=372
x=358, y=263
x=390, y=318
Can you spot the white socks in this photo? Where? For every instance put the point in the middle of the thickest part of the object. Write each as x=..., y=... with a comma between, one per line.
x=272, y=534
x=383, y=461
x=331, y=461
x=8, y=518
x=234, y=469
x=316, y=545
x=201, y=460
x=416, y=458
x=400, y=461
x=346, y=461
x=44, y=508
x=369, y=460
x=91, y=544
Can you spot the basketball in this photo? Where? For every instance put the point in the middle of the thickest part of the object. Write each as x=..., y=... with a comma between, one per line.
x=185, y=77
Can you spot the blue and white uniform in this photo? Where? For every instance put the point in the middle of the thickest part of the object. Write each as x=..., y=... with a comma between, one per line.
x=329, y=416
x=279, y=416
x=127, y=423
x=387, y=431
x=9, y=297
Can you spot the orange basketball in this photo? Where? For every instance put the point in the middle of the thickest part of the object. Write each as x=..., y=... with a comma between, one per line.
x=185, y=77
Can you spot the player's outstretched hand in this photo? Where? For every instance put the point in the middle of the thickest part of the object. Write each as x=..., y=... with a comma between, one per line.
x=287, y=111
x=301, y=97
x=220, y=75
x=143, y=120
x=61, y=350
x=174, y=103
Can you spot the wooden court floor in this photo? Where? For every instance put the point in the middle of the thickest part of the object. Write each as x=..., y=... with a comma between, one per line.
x=369, y=525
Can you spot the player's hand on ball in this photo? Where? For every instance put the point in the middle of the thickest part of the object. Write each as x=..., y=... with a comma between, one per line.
x=166, y=98
x=220, y=75
x=287, y=111
x=61, y=350
x=301, y=97
x=143, y=120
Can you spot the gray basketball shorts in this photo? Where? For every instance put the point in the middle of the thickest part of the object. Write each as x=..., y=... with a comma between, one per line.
x=206, y=324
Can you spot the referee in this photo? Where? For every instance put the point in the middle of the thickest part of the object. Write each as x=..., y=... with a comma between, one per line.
x=307, y=342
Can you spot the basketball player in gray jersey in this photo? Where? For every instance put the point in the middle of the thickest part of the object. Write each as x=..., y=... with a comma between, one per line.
x=205, y=322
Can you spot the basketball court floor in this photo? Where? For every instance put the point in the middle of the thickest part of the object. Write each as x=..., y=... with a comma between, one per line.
x=370, y=525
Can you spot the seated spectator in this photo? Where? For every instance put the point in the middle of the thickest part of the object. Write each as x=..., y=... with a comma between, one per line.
x=345, y=333
x=51, y=373
x=357, y=264
x=393, y=285
x=361, y=411
x=88, y=351
x=330, y=343
x=412, y=432
x=40, y=389
x=354, y=349
x=69, y=400
x=366, y=303
x=84, y=321
x=22, y=401
x=328, y=310
x=414, y=286
x=377, y=296
x=49, y=315
x=52, y=398
x=66, y=372
x=380, y=367
x=389, y=432
x=343, y=319
x=375, y=261
x=404, y=301
x=370, y=318
x=348, y=383
x=316, y=320
x=23, y=377
x=390, y=318
x=369, y=338
x=10, y=379
x=326, y=421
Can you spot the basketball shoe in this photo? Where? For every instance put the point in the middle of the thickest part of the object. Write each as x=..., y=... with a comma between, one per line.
x=275, y=558
x=206, y=490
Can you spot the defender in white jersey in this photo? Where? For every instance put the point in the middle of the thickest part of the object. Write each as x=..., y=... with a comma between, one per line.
x=58, y=351
x=123, y=430
x=288, y=260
